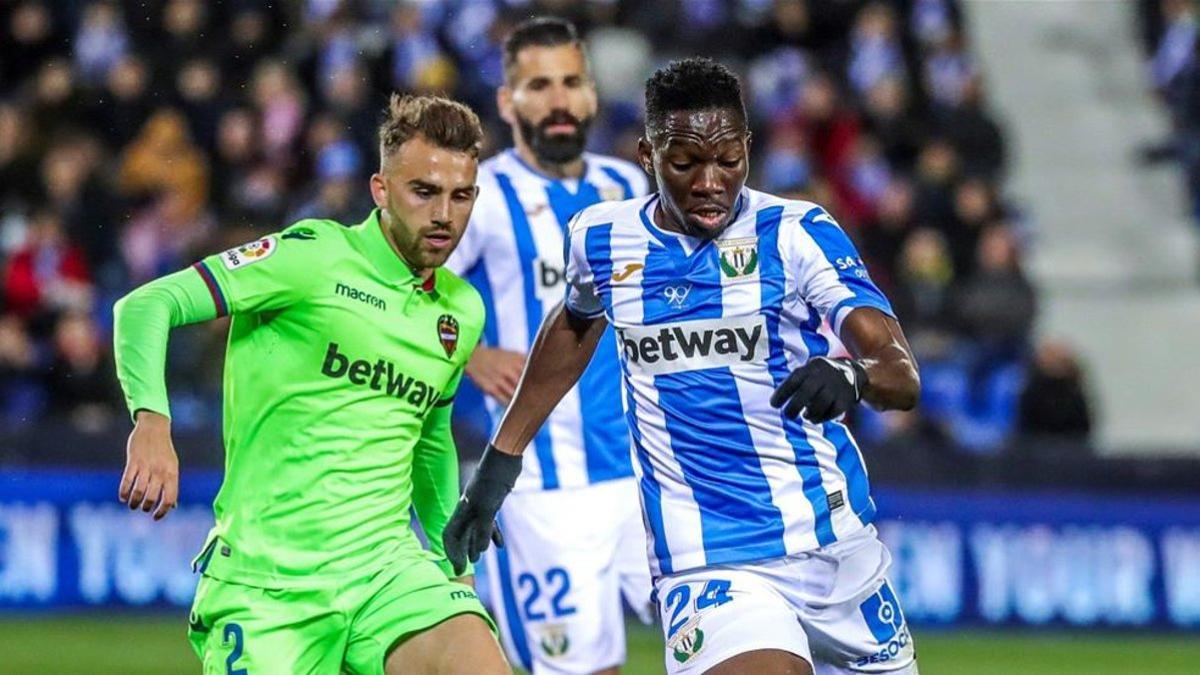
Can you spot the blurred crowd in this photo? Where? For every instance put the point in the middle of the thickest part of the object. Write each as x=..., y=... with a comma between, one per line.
x=135, y=137
x=1169, y=38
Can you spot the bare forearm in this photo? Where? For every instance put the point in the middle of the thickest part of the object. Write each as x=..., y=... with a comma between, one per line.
x=561, y=352
x=878, y=343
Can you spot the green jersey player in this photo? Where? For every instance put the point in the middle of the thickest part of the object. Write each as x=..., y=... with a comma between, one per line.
x=346, y=345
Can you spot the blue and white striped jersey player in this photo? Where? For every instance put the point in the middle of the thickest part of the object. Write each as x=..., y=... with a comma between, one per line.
x=754, y=495
x=573, y=528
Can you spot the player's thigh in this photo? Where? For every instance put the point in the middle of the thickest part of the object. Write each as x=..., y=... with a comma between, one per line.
x=559, y=599
x=242, y=629
x=859, y=626
x=712, y=616
x=461, y=645
x=406, y=600
x=763, y=662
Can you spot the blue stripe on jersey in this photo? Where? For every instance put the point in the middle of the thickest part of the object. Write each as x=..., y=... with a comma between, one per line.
x=738, y=519
x=597, y=247
x=527, y=252
x=619, y=180
x=851, y=464
x=651, y=490
x=566, y=204
x=516, y=627
x=773, y=282
x=815, y=343
x=606, y=441
x=840, y=253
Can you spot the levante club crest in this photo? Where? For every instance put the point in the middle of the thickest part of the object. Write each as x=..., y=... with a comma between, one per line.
x=448, y=333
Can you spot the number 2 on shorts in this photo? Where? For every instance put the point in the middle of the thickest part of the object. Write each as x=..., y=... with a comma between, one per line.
x=234, y=631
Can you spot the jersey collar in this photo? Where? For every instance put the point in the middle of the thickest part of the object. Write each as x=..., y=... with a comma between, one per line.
x=377, y=249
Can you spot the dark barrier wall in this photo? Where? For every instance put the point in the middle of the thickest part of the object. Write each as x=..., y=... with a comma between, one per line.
x=974, y=557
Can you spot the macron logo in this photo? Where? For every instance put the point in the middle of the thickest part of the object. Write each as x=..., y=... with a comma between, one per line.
x=382, y=376
x=361, y=296
x=694, y=345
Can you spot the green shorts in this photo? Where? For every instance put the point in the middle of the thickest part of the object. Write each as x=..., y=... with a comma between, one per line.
x=329, y=628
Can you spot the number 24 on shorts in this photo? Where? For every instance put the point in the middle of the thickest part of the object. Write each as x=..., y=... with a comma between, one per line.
x=714, y=593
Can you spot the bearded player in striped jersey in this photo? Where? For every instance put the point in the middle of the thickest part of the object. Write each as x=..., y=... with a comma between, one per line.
x=556, y=587
x=755, y=496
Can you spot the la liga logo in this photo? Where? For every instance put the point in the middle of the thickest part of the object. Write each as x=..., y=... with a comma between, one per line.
x=249, y=253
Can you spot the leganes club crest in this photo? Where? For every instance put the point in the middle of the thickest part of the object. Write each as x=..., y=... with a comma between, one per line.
x=447, y=328
x=687, y=643
x=738, y=257
x=554, y=640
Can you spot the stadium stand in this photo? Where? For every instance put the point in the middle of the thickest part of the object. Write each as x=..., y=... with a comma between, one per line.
x=134, y=138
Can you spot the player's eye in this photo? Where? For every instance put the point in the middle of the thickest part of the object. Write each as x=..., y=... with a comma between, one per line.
x=730, y=163
x=681, y=166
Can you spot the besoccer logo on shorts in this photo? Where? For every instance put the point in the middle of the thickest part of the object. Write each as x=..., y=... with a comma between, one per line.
x=249, y=253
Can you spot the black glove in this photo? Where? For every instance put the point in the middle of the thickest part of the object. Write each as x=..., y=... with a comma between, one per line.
x=474, y=519
x=823, y=388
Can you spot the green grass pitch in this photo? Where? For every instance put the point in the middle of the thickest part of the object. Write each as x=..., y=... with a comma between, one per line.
x=132, y=644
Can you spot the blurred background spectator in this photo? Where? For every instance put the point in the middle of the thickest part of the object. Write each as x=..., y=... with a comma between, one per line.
x=160, y=132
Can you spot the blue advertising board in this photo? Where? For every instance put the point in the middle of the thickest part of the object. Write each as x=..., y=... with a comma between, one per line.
x=1003, y=558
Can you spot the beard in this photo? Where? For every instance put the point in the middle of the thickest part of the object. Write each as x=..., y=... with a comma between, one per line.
x=555, y=148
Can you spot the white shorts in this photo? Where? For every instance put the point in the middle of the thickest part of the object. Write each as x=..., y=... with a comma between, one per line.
x=833, y=607
x=555, y=588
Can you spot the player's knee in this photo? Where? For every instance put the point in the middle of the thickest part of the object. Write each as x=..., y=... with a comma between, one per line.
x=763, y=662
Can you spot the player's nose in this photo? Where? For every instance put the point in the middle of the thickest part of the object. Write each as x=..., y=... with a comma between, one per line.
x=708, y=182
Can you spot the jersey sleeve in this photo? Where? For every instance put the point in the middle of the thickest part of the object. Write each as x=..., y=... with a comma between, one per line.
x=142, y=321
x=582, y=298
x=435, y=486
x=830, y=274
x=270, y=273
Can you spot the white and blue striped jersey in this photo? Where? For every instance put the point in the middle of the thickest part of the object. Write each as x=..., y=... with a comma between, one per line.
x=512, y=251
x=706, y=331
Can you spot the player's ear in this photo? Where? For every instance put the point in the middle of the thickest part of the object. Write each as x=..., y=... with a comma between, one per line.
x=504, y=104
x=645, y=153
x=379, y=190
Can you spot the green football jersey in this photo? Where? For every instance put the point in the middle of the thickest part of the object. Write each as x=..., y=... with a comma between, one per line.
x=339, y=361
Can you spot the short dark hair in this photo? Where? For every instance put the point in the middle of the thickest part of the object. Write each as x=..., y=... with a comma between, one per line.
x=445, y=123
x=540, y=31
x=695, y=83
